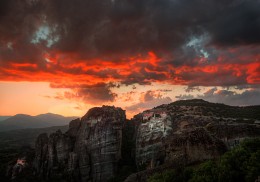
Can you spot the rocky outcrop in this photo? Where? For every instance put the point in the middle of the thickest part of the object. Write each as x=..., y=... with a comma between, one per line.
x=88, y=151
x=159, y=142
x=185, y=133
x=168, y=136
x=17, y=168
x=41, y=151
x=21, y=167
x=233, y=134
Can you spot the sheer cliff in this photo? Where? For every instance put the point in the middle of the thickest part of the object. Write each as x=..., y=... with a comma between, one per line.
x=88, y=151
x=189, y=132
x=103, y=146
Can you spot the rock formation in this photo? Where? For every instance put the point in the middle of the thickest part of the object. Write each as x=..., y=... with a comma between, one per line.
x=160, y=140
x=89, y=151
x=168, y=136
x=186, y=132
x=21, y=168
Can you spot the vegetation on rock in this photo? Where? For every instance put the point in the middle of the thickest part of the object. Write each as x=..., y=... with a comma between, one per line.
x=241, y=164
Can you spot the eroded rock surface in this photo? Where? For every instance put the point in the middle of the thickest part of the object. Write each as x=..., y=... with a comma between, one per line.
x=89, y=151
x=168, y=136
x=186, y=133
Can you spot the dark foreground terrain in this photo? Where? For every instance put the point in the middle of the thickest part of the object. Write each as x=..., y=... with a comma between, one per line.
x=191, y=140
x=17, y=143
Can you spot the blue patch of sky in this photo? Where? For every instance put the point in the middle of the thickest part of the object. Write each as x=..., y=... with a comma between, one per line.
x=198, y=44
x=45, y=33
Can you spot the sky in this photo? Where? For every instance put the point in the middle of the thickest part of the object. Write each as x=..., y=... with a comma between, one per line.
x=64, y=56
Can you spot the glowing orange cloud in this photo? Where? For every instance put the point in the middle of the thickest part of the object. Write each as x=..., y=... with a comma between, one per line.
x=69, y=68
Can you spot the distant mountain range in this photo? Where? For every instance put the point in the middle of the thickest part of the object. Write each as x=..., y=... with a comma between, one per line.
x=22, y=121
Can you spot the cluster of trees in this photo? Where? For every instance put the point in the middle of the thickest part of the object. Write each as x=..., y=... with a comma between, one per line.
x=241, y=164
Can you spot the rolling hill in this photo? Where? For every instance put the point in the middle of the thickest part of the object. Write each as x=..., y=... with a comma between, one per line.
x=22, y=121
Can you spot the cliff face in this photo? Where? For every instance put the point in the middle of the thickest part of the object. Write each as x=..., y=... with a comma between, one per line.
x=168, y=136
x=161, y=140
x=90, y=150
x=186, y=133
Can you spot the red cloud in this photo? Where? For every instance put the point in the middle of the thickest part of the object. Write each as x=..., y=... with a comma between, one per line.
x=142, y=69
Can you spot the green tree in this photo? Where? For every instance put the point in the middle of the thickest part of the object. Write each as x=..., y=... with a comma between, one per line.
x=241, y=164
x=207, y=172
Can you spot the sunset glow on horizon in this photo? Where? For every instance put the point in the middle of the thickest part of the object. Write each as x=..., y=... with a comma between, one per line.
x=131, y=54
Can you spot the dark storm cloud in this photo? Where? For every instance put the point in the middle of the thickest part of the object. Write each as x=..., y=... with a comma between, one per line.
x=123, y=26
x=192, y=89
x=237, y=24
x=94, y=40
x=18, y=21
x=91, y=94
x=143, y=77
x=220, y=77
x=109, y=27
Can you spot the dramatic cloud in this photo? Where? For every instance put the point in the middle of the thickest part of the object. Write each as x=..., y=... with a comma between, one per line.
x=148, y=100
x=247, y=97
x=93, y=94
x=84, y=45
x=191, y=89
